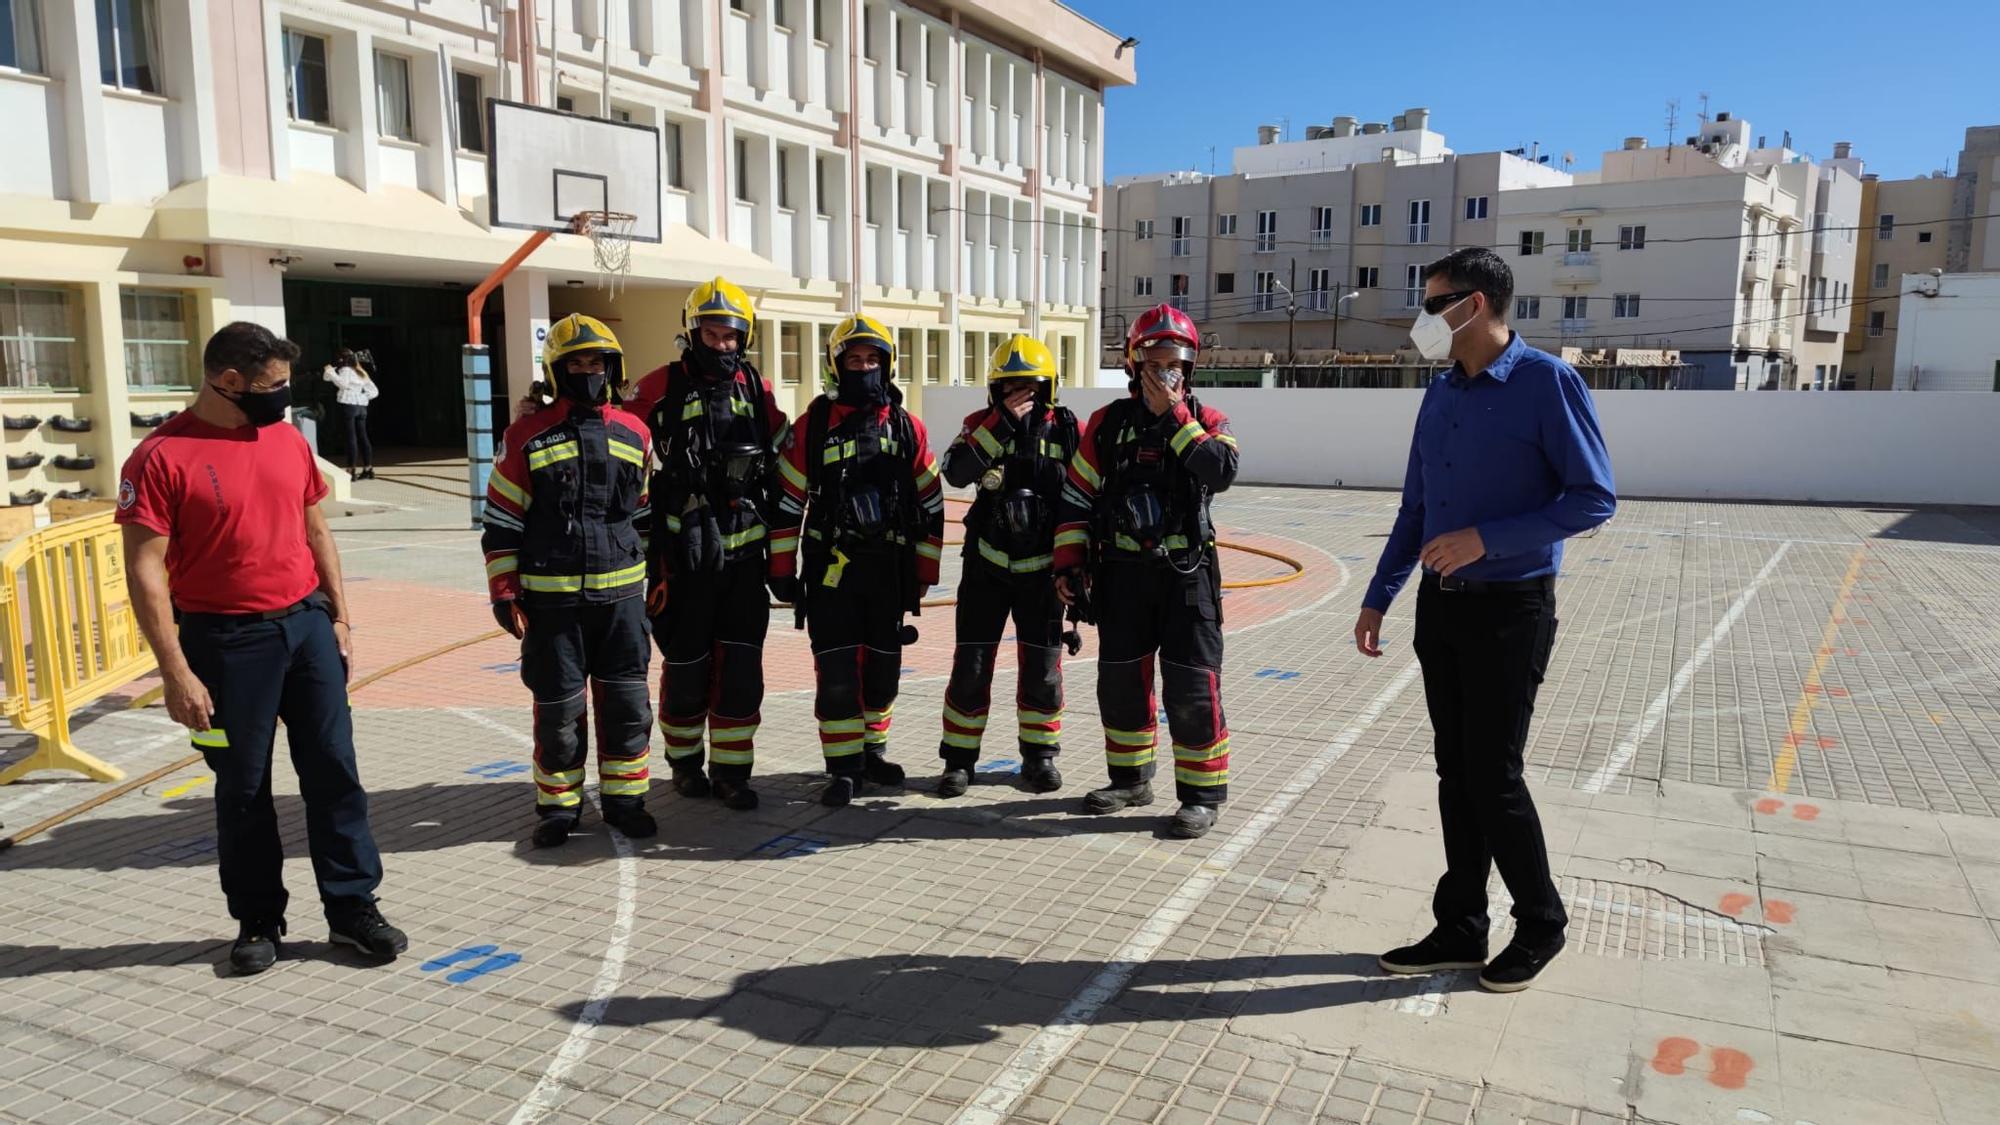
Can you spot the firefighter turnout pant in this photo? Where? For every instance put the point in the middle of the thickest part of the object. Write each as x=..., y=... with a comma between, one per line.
x=855, y=626
x=987, y=597
x=601, y=649
x=1145, y=608
x=711, y=638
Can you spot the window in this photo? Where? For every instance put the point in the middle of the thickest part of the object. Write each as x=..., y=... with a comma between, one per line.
x=392, y=97
x=1322, y=228
x=1923, y=236
x=1413, y=286
x=1882, y=275
x=565, y=103
x=1371, y=214
x=21, y=35
x=670, y=136
x=936, y=358
x=1183, y=236
x=1579, y=240
x=1475, y=206
x=1576, y=308
x=1420, y=220
x=1267, y=289
x=868, y=34
x=1527, y=308
x=902, y=51
x=1632, y=238
x=38, y=344
x=1318, y=282
x=471, y=98
x=1368, y=277
x=1885, y=227
x=1533, y=241
x=306, y=95
x=128, y=44
x=819, y=19
x=1225, y=224
x=784, y=178
x=821, y=204
x=743, y=169
x=1225, y=283
x=1142, y=230
x=1142, y=287
x=792, y=346
x=1267, y=231
x=1177, y=291
x=1625, y=306
x=159, y=344
x=1877, y=322
x=781, y=14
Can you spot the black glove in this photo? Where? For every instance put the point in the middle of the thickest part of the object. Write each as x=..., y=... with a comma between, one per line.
x=504, y=612
x=784, y=587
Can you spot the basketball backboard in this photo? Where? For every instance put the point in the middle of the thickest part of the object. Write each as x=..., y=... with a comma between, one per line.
x=545, y=165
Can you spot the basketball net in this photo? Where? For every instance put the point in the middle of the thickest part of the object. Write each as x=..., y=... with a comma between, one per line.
x=610, y=234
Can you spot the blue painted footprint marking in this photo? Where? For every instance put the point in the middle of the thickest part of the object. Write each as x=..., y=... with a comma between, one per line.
x=493, y=963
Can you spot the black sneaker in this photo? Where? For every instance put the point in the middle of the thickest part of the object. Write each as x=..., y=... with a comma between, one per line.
x=256, y=947
x=1518, y=965
x=1041, y=776
x=954, y=782
x=1111, y=798
x=839, y=791
x=691, y=782
x=632, y=819
x=366, y=930
x=553, y=831
x=880, y=770
x=1437, y=952
x=736, y=795
x=1193, y=821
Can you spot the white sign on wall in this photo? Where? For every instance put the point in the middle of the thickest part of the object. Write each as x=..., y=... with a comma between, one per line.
x=361, y=306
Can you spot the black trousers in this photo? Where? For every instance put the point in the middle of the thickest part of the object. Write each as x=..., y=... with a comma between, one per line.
x=258, y=672
x=602, y=648
x=1484, y=656
x=1144, y=608
x=856, y=628
x=711, y=637
x=360, y=454
x=987, y=597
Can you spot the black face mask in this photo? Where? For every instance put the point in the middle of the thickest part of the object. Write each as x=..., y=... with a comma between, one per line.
x=263, y=408
x=586, y=389
x=712, y=364
x=863, y=388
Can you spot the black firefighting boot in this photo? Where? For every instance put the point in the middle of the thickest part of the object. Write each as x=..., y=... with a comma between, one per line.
x=553, y=830
x=840, y=790
x=880, y=770
x=1111, y=798
x=1040, y=775
x=689, y=781
x=629, y=815
x=735, y=794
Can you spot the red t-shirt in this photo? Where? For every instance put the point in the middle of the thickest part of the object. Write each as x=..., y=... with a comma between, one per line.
x=232, y=504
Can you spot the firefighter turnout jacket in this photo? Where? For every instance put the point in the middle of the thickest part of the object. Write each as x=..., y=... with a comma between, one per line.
x=566, y=507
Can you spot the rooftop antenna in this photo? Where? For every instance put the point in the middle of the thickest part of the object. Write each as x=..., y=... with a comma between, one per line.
x=1211, y=160
x=1673, y=119
x=1704, y=111
x=1284, y=128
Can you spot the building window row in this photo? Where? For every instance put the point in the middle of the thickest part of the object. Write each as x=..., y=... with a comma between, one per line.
x=41, y=338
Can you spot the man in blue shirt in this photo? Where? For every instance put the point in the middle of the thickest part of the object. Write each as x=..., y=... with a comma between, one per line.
x=1506, y=463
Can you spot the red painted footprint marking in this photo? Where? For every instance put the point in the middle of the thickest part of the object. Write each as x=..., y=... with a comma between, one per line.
x=1734, y=903
x=1730, y=1068
x=1672, y=1055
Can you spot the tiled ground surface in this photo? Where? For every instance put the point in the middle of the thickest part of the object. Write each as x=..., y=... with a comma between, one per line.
x=1776, y=838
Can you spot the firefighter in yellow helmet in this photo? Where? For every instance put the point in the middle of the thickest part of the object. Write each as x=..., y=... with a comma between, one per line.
x=858, y=473
x=566, y=523
x=715, y=430
x=1016, y=449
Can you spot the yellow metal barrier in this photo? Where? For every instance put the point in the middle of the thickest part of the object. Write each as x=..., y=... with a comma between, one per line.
x=67, y=636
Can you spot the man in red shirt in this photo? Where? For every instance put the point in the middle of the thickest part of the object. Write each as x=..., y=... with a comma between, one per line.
x=224, y=536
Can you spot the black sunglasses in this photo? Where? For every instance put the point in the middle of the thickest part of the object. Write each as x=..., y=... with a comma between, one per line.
x=1436, y=305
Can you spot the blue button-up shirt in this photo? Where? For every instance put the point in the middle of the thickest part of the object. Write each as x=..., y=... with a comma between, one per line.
x=1515, y=452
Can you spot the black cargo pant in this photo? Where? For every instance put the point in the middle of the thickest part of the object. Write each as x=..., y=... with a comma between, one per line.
x=1484, y=655
x=602, y=648
x=855, y=626
x=987, y=597
x=259, y=670
x=1144, y=608
x=711, y=638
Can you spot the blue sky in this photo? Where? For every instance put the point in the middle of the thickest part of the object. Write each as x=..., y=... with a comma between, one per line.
x=1577, y=77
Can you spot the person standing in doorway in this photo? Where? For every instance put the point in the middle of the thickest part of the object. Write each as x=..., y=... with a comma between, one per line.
x=224, y=534
x=354, y=388
x=1507, y=462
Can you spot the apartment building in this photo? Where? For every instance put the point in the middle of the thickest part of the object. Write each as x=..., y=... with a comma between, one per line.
x=1943, y=222
x=1342, y=221
x=321, y=166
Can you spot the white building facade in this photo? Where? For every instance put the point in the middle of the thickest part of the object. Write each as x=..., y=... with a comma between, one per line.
x=1946, y=340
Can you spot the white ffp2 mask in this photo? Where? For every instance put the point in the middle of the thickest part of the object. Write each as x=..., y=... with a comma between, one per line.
x=1432, y=334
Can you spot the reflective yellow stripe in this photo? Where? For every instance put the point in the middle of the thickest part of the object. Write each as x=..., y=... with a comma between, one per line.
x=616, y=767
x=1226, y=439
x=1082, y=468
x=1040, y=737
x=627, y=452
x=732, y=757
x=1052, y=449
x=784, y=544
x=1128, y=757
x=673, y=730
x=1027, y=716
x=961, y=741
x=498, y=482
x=1073, y=537
x=792, y=475
x=548, y=455
x=842, y=749
x=732, y=734
x=1184, y=435
x=1190, y=754
x=1125, y=542
x=624, y=787
x=691, y=411
x=959, y=718
x=987, y=442
x=1001, y=559
x=560, y=779
x=881, y=716
x=616, y=578
x=927, y=550
x=735, y=539
x=1201, y=778
x=842, y=726
x=926, y=475
x=565, y=800
x=835, y=569
x=213, y=739
x=505, y=564
x=1129, y=737
x=552, y=583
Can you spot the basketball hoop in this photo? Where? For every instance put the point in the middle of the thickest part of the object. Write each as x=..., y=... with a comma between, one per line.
x=610, y=234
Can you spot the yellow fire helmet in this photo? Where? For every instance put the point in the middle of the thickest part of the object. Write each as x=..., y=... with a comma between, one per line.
x=855, y=330
x=1021, y=356
x=577, y=334
x=721, y=302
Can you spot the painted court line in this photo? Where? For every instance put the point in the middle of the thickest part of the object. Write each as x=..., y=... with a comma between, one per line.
x=1622, y=754
x=1046, y=1046
x=1809, y=693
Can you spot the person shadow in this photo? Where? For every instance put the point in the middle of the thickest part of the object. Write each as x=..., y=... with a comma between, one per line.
x=927, y=1000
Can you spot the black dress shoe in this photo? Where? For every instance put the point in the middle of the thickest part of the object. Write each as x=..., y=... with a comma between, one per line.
x=1436, y=953
x=256, y=947
x=1519, y=964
